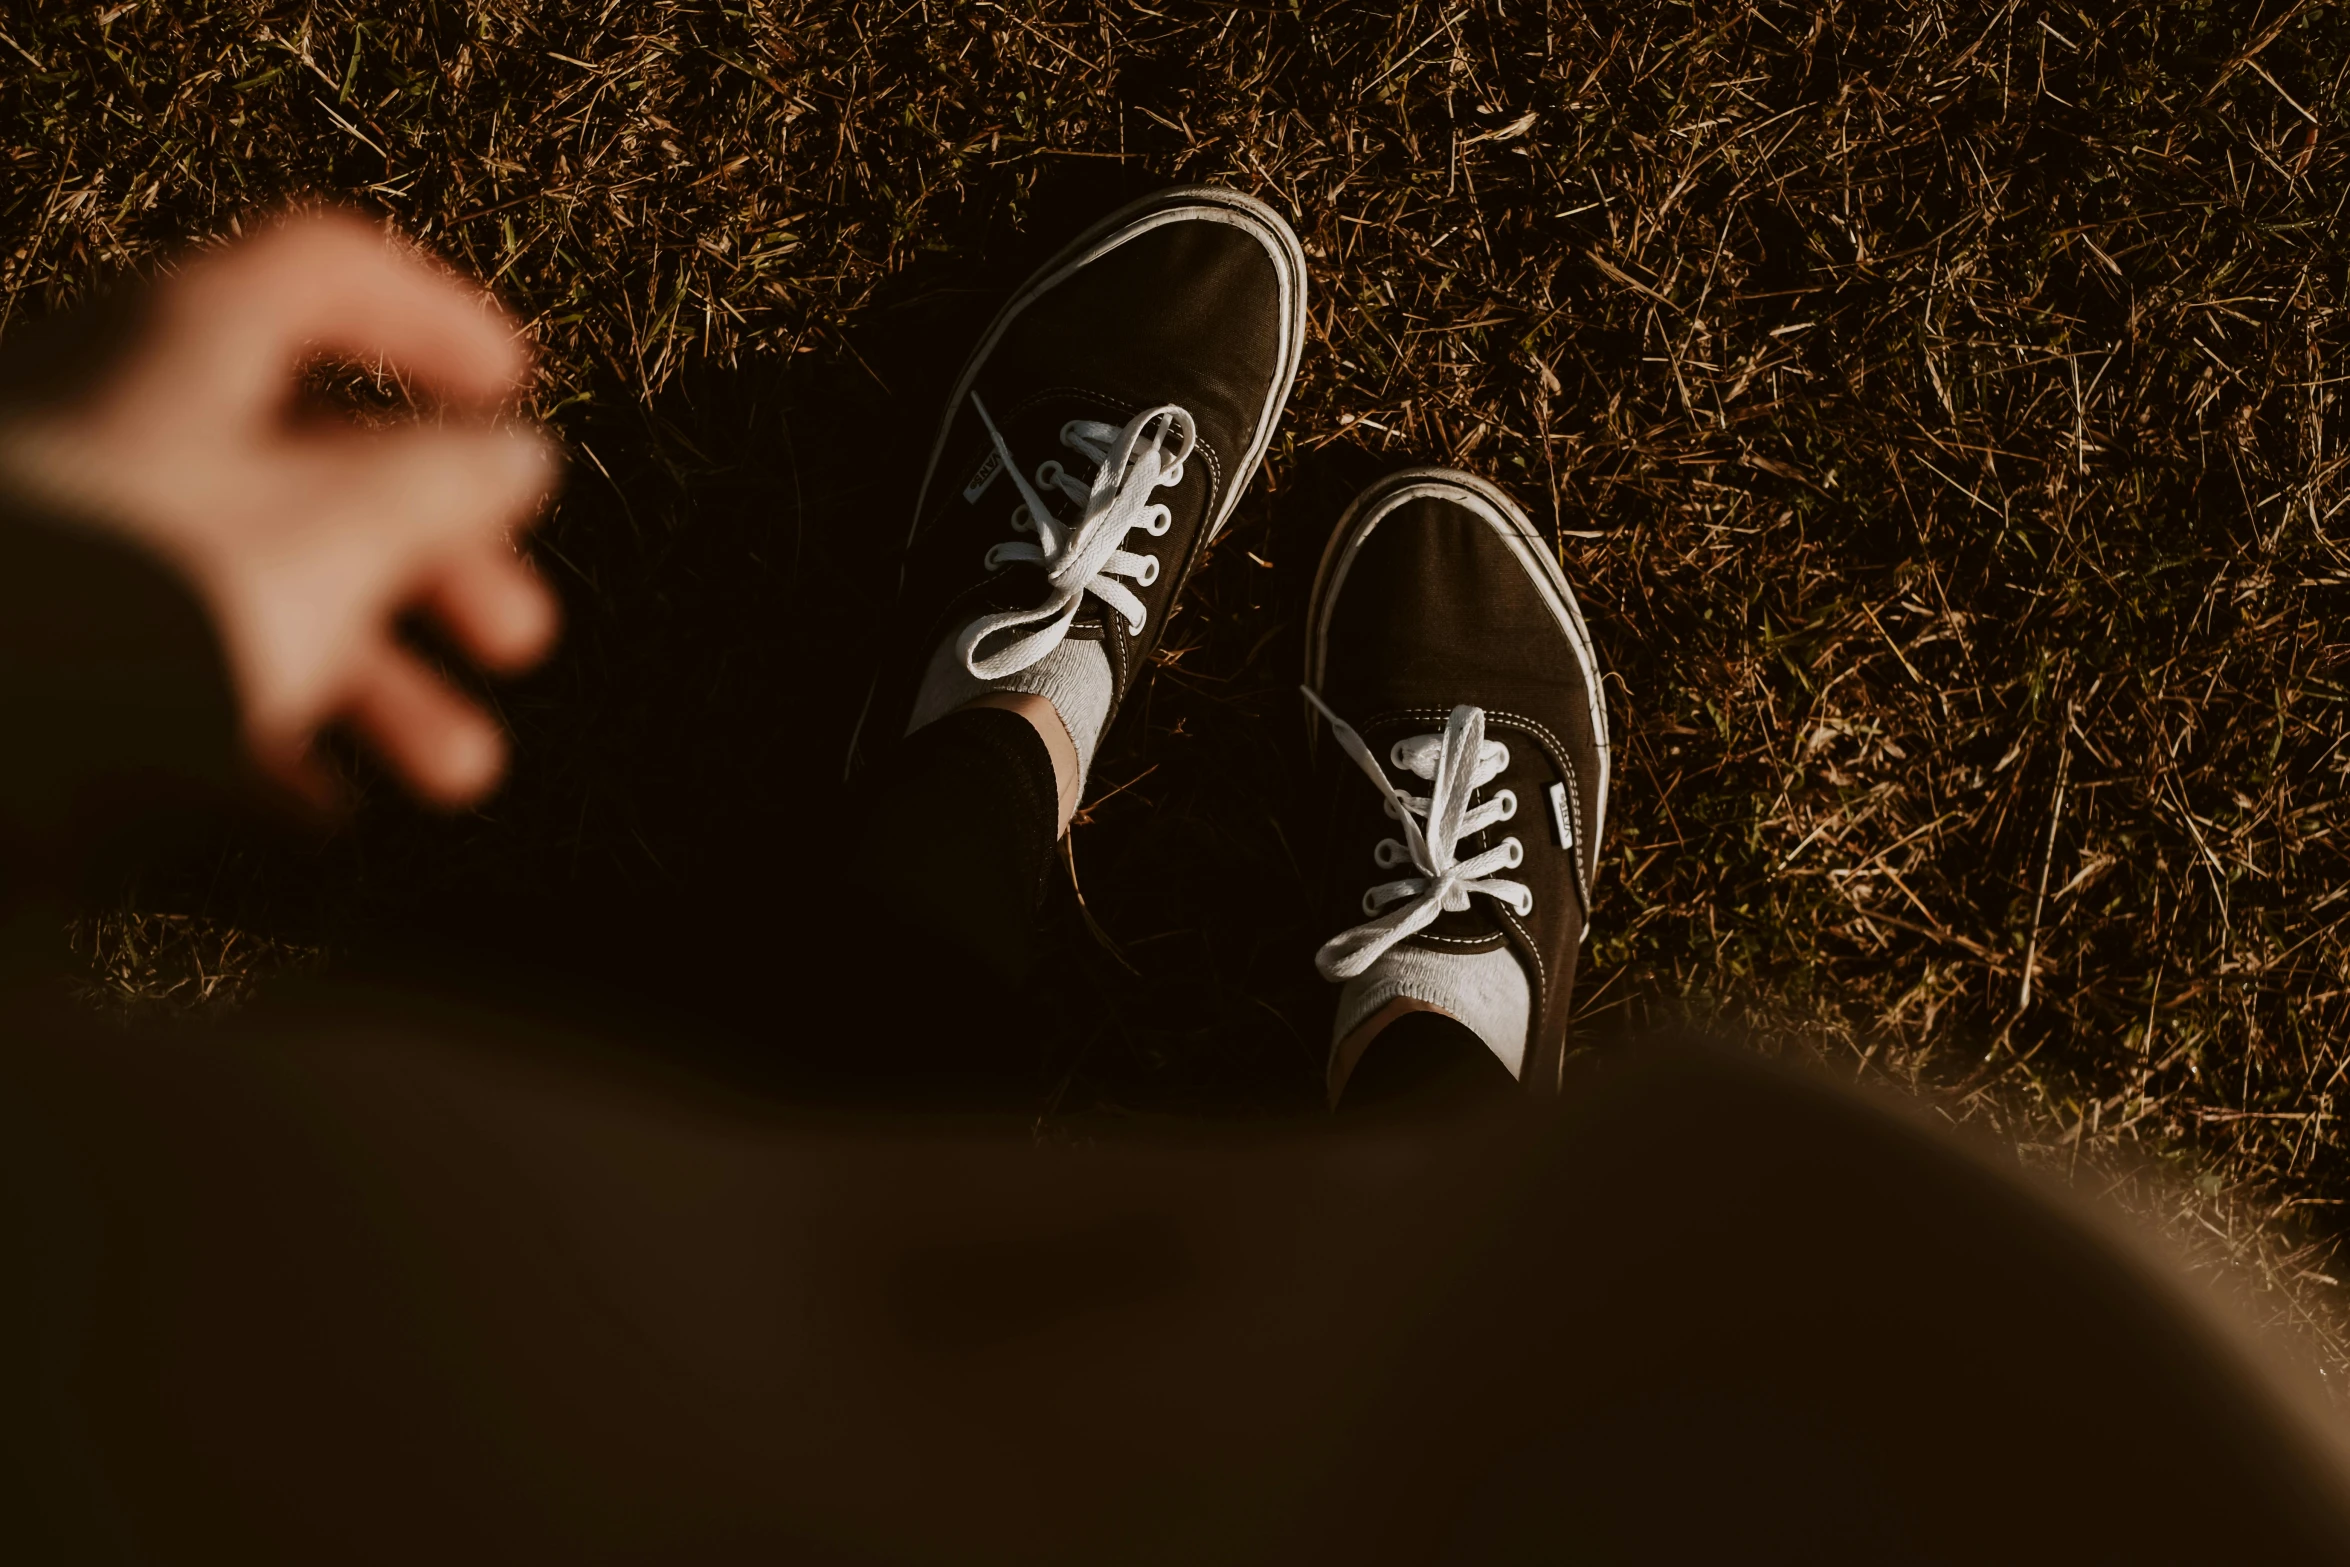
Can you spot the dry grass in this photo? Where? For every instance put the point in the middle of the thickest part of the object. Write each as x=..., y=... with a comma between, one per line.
x=136, y=964
x=1938, y=406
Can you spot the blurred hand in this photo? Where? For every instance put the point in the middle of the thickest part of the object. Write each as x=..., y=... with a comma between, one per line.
x=307, y=538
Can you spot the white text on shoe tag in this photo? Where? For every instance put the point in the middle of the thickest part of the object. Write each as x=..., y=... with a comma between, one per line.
x=983, y=478
x=1558, y=815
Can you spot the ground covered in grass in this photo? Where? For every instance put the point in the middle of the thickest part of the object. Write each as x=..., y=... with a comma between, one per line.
x=1938, y=408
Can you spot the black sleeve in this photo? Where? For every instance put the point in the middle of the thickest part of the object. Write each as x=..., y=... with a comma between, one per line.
x=114, y=698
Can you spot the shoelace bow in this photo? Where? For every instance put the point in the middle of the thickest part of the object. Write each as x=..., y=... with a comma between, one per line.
x=1088, y=556
x=1458, y=763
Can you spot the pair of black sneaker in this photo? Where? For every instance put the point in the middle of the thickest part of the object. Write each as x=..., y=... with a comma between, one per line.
x=1095, y=442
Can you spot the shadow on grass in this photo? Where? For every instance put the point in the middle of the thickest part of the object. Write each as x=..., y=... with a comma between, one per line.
x=675, y=834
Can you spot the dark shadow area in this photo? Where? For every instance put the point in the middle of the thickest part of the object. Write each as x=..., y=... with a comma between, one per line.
x=676, y=841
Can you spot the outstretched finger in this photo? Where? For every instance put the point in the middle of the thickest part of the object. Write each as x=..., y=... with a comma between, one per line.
x=443, y=747
x=495, y=607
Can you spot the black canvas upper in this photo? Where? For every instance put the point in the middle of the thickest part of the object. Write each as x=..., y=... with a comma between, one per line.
x=1185, y=303
x=1435, y=609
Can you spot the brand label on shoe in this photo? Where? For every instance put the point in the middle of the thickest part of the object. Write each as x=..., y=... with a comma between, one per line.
x=1558, y=815
x=983, y=478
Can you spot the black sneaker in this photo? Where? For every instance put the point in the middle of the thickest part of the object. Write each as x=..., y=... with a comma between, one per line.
x=1097, y=439
x=1468, y=781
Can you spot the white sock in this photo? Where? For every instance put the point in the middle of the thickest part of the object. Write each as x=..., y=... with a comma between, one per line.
x=1074, y=677
x=1487, y=991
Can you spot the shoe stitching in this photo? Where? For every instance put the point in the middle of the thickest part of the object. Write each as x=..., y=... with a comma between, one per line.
x=1478, y=943
x=1121, y=656
x=1585, y=876
x=1532, y=949
x=1289, y=260
x=1215, y=467
x=1029, y=404
x=954, y=613
x=1457, y=764
x=1124, y=667
x=1203, y=447
x=1553, y=749
x=1557, y=749
x=1116, y=648
x=1567, y=776
x=1541, y=733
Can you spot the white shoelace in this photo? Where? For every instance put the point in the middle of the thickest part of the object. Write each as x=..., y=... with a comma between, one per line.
x=1089, y=556
x=1457, y=763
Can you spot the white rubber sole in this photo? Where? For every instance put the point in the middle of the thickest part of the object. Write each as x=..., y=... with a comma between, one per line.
x=1515, y=529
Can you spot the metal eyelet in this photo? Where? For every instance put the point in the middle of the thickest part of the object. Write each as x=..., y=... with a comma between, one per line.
x=1371, y=905
x=1150, y=571
x=1389, y=854
x=1517, y=853
x=1508, y=801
